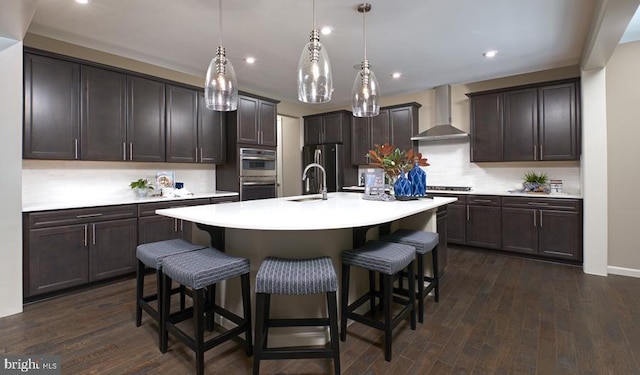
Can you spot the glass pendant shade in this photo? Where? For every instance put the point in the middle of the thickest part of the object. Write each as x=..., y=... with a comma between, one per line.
x=221, y=85
x=315, y=83
x=365, y=93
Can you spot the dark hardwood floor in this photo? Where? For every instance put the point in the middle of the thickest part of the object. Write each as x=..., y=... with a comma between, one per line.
x=497, y=315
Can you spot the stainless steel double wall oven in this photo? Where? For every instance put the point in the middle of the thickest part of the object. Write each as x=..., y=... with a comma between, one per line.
x=258, y=173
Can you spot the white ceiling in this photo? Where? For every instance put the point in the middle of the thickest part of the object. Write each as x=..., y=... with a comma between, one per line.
x=431, y=42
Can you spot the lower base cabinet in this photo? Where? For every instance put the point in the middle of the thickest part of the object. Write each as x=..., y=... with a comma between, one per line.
x=484, y=226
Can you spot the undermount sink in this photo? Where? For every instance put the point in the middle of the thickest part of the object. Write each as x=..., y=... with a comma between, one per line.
x=305, y=199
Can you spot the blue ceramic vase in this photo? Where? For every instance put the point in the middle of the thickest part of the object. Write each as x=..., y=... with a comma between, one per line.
x=402, y=186
x=418, y=179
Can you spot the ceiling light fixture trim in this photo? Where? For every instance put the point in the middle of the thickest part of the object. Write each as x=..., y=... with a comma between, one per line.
x=221, y=84
x=366, y=91
x=315, y=81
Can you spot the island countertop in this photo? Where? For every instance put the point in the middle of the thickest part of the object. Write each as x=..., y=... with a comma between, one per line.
x=341, y=210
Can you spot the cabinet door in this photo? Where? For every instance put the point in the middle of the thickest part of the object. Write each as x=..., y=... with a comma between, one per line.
x=103, y=122
x=211, y=134
x=484, y=226
x=313, y=130
x=51, y=108
x=380, y=132
x=456, y=224
x=157, y=228
x=332, y=127
x=403, y=124
x=268, y=124
x=560, y=234
x=521, y=125
x=558, y=123
x=486, y=127
x=58, y=258
x=248, y=120
x=520, y=230
x=112, y=249
x=182, y=124
x=145, y=127
x=443, y=233
x=360, y=141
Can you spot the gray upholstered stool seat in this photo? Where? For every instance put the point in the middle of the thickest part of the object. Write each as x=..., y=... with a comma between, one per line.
x=424, y=243
x=201, y=270
x=388, y=259
x=151, y=255
x=295, y=277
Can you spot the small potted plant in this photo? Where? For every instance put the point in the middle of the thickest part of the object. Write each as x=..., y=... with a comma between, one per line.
x=535, y=183
x=142, y=187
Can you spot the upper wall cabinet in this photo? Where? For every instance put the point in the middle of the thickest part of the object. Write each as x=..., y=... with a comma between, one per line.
x=51, y=108
x=255, y=121
x=529, y=123
x=211, y=134
x=331, y=127
x=182, y=124
x=146, y=119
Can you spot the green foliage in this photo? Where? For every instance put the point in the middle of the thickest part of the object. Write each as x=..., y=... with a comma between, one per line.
x=142, y=183
x=534, y=177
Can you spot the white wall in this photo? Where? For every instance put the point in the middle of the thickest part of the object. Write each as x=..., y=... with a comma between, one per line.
x=11, y=156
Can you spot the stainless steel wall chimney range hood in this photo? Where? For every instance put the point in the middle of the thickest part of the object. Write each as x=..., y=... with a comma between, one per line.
x=443, y=129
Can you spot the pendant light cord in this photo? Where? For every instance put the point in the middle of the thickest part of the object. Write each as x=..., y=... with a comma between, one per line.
x=364, y=32
x=220, y=19
x=313, y=12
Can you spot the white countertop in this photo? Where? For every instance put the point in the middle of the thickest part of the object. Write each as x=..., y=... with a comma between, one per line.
x=503, y=193
x=341, y=210
x=97, y=201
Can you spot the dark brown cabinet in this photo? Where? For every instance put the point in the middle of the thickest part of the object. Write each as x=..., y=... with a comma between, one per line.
x=528, y=123
x=103, y=121
x=255, y=121
x=547, y=227
x=182, y=124
x=486, y=127
x=484, y=224
x=153, y=228
x=67, y=248
x=332, y=127
x=51, y=108
x=395, y=125
x=456, y=219
x=145, y=119
x=211, y=134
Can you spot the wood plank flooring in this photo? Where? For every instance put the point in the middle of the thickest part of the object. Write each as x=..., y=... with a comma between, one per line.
x=497, y=315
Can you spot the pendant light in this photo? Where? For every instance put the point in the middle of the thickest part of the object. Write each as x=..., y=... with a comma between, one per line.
x=365, y=92
x=315, y=84
x=221, y=85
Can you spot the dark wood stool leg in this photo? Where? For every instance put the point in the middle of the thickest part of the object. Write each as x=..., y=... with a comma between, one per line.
x=139, y=291
x=267, y=312
x=436, y=277
x=372, y=291
x=164, y=314
x=261, y=316
x=420, y=279
x=388, y=323
x=344, y=301
x=332, y=307
x=198, y=315
x=412, y=295
x=246, y=305
x=182, y=297
x=211, y=301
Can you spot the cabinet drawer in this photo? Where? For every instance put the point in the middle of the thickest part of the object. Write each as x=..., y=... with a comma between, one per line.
x=46, y=219
x=148, y=209
x=484, y=200
x=542, y=203
x=224, y=200
x=462, y=198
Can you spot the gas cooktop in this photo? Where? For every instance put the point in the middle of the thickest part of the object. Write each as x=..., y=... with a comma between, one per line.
x=449, y=188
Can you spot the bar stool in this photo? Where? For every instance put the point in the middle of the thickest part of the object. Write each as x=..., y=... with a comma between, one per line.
x=424, y=242
x=295, y=277
x=151, y=255
x=388, y=259
x=200, y=270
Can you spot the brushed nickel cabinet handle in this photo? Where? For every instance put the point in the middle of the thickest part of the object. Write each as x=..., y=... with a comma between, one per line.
x=85, y=235
x=175, y=225
x=124, y=150
x=535, y=152
x=468, y=214
x=88, y=216
x=93, y=234
x=201, y=157
x=130, y=150
x=75, y=145
x=534, y=219
x=541, y=151
x=181, y=225
x=540, y=219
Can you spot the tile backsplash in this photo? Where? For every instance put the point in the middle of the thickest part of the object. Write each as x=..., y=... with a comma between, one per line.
x=44, y=180
x=450, y=165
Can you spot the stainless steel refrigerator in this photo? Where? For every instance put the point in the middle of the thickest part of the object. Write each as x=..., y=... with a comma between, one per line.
x=330, y=157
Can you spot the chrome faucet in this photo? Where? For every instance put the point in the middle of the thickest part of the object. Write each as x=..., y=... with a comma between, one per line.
x=323, y=190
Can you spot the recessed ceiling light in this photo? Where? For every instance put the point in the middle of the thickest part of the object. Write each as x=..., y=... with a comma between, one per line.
x=490, y=54
x=82, y=1
x=250, y=60
x=396, y=75
x=326, y=30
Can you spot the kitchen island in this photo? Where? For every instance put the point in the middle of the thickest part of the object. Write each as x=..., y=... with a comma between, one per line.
x=303, y=227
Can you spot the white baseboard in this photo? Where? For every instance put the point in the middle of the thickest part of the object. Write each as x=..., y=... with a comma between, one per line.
x=623, y=271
